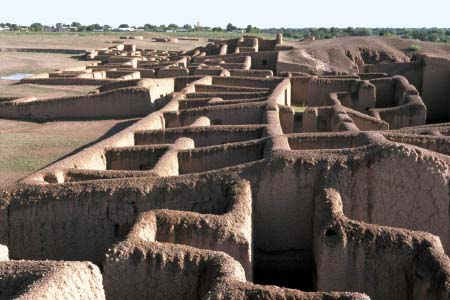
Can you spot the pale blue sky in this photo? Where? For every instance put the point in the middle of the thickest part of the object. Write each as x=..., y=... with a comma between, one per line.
x=286, y=13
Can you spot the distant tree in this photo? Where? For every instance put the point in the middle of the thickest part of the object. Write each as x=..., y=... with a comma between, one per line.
x=231, y=27
x=36, y=27
x=124, y=26
x=149, y=27
x=251, y=29
x=14, y=27
x=187, y=27
x=173, y=26
x=162, y=27
x=76, y=24
x=106, y=28
x=217, y=29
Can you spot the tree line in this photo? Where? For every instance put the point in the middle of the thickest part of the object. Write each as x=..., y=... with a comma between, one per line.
x=423, y=34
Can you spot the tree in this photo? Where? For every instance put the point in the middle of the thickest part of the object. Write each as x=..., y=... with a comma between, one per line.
x=106, y=28
x=36, y=27
x=231, y=27
x=251, y=29
x=77, y=25
x=217, y=29
x=173, y=26
x=124, y=26
x=149, y=27
x=187, y=27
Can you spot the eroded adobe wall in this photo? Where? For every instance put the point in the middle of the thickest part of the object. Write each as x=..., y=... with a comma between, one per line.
x=404, y=187
x=216, y=157
x=84, y=229
x=50, y=280
x=123, y=102
x=411, y=70
x=133, y=158
x=436, y=87
x=202, y=136
x=355, y=256
x=282, y=216
x=314, y=91
x=385, y=92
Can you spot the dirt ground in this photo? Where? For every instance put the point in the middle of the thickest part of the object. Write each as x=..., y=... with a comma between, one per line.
x=26, y=147
x=85, y=41
x=333, y=54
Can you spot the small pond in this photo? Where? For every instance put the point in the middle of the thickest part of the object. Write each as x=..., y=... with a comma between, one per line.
x=16, y=76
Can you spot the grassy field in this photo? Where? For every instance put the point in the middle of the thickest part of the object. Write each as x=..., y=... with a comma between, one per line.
x=26, y=147
x=42, y=91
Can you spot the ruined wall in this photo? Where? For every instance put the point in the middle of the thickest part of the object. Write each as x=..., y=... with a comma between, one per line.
x=29, y=280
x=219, y=115
x=123, y=102
x=436, y=87
x=367, y=188
x=411, y=70
x=354, y=256
x=133, y=158
x=202, y=136
x=83, y=229
x=211, y=158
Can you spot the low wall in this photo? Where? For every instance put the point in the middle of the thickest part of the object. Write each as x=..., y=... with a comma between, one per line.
x=134, y=158
x=217, y=157
x=50, y=280
x=118, y=103
x=83, y=229
x=202, y=136
x=235, y=114
x=436, y=87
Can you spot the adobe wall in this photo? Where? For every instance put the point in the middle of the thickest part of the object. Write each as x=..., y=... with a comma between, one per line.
x=385, y=90
x=314, y=91
x=29, y=280
x=436, y=87
x=418, y=179
x=440, y=143
x=411, y=70
x=217, y=157
x=202, y=136
x=236, y=114
x=84, y=229
x=408, y=108
x=117, y=103
x=133, y=158
x=233, y=290
x=322, y=141
x=140, y=270
x=247, y=82
x=354, y=256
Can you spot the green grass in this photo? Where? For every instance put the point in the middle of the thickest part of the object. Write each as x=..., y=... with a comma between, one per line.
x=299, y=108
x=29, y=152
x=413, y=48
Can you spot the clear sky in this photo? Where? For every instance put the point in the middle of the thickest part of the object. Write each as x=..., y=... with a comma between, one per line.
x=262, y=13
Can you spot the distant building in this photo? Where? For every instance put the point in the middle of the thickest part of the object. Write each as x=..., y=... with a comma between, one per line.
x=126, y=29
x=49, y=29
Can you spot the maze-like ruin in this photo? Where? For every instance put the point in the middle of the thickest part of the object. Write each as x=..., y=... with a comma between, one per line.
x=247, y=177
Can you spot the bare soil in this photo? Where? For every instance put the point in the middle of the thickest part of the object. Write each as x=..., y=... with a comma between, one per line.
x=336, y=54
